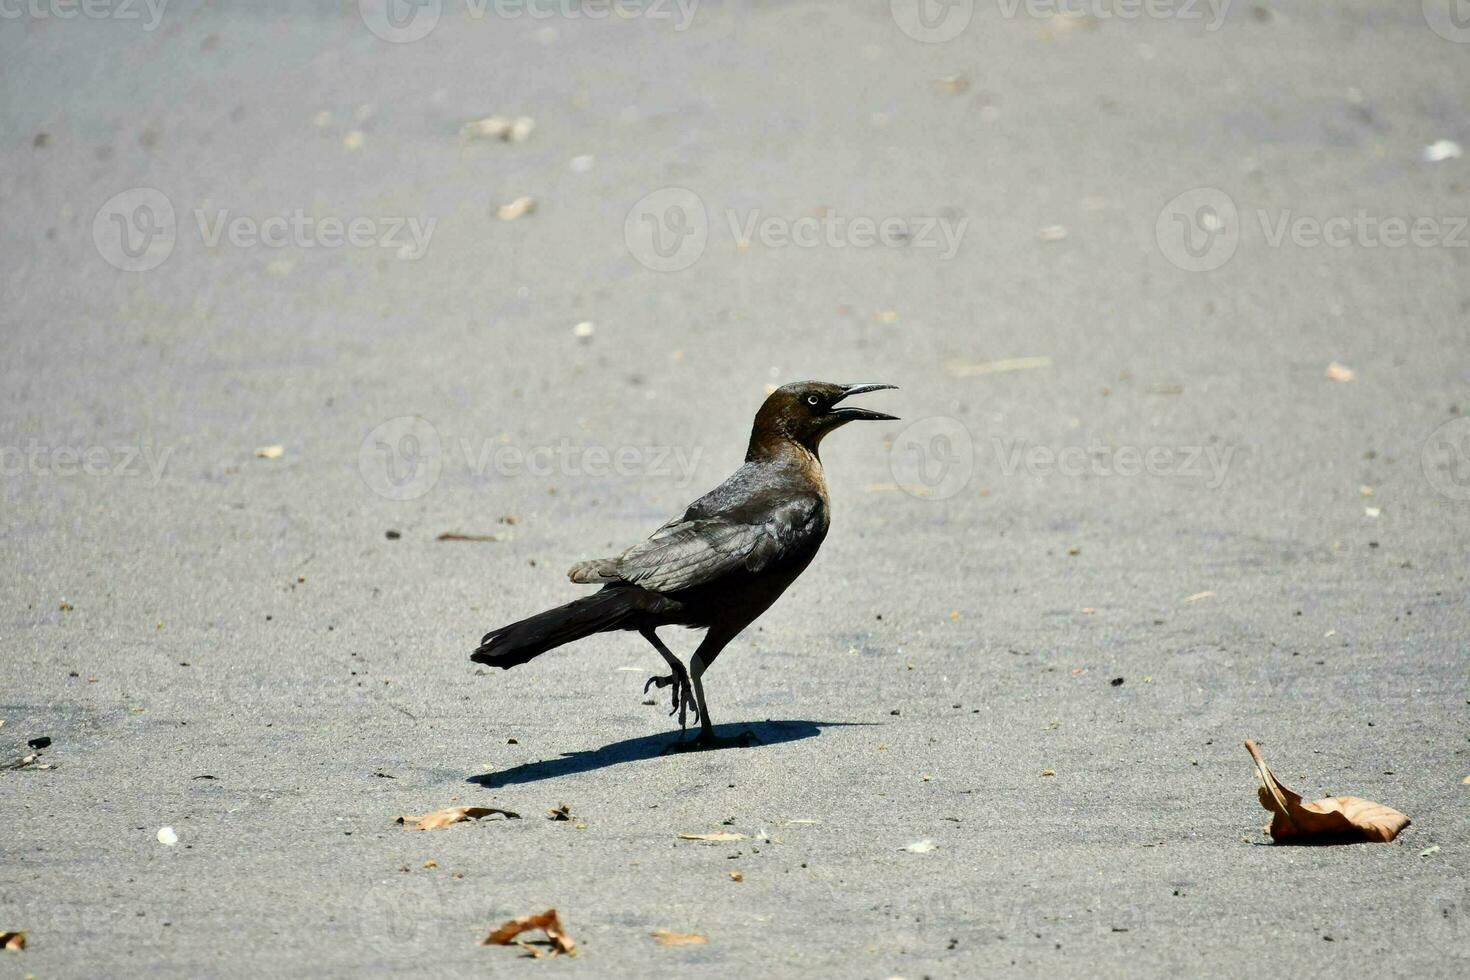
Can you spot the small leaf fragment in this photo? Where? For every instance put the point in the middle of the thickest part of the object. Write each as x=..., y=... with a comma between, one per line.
x=518, y=208
x=452, y=815
x=13, y=941
x=668, y=938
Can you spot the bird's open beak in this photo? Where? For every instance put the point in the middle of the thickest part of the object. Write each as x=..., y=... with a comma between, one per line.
x=852, y=413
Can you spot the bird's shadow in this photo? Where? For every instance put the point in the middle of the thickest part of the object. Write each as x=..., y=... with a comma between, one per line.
x=648, y=747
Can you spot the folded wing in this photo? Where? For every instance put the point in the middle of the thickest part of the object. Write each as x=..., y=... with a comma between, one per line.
x=686, y=553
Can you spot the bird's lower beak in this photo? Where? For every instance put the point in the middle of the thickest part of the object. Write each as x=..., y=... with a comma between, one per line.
x=853, y=413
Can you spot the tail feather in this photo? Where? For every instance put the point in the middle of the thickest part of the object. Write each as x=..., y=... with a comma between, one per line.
x=510, y=646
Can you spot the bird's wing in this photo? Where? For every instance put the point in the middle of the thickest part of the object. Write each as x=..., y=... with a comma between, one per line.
x=688, y=553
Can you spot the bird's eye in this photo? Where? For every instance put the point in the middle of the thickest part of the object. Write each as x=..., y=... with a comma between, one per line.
x=813, y=400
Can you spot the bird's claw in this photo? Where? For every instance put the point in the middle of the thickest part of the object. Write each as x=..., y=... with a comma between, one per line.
x=681, y=697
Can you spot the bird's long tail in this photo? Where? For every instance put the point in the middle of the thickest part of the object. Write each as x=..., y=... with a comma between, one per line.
x=512, y=645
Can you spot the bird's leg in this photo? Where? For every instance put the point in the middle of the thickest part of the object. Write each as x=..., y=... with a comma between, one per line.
x=679, y=679
x=707, y=739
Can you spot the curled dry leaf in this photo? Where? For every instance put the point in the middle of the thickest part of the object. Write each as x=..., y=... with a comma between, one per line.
x=548, y=922
x=721, y=836
x=13, y=941
x=455, y=814
x=668, y=938
x=1337, y=819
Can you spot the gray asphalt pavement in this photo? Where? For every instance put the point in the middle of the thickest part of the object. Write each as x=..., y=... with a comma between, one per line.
x=1178, y=304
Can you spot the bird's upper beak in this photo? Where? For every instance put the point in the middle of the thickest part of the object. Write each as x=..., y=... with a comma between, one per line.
x=853, y=413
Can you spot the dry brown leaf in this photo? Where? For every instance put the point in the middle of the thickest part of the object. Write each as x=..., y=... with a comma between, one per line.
x=721, y=836
x=1340, y=372
x=13, y=941
x=679, y=938
x=547, y=922
x=270, y=452
x=1339, y=818
x=455, y=814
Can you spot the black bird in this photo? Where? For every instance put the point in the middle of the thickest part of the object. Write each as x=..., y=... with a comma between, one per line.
x=721, y=564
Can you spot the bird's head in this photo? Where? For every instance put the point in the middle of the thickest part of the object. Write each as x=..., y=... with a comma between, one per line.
x=804, y=412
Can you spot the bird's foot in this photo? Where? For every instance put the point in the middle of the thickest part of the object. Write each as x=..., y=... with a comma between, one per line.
x=682, y=696
x=707, y=741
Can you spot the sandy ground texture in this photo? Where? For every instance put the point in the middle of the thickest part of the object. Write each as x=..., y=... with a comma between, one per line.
x=1128, y=521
